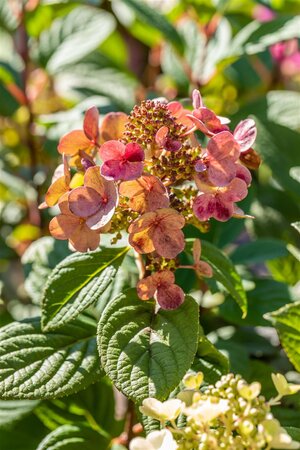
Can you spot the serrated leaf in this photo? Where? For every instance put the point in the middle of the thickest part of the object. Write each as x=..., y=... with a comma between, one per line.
x=76, y=283
x=287, y=323
x=145, y=353
x=12, y=411
x=34, y=365
x=156, y=20
x=73, y=437
x=73, y=36
x=224, y=272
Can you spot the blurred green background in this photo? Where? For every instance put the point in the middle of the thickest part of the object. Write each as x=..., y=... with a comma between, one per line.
x=57, y=58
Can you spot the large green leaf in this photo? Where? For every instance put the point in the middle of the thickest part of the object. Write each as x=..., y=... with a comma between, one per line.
x=144, y=352
x=12, y=411
x=287, y=322
x=210, y=360
x=73, y=36
x=76, y=283
x=34, y=365
x=260, y=250
x=257, y=37
x=224, y=272
x=25, y=435
x=39, y=260
x=73, y=437
x=156, y=20
x=279, y=149
x=267, y=296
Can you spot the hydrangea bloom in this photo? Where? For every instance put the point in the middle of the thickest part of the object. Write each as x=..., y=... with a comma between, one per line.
x=153, y=177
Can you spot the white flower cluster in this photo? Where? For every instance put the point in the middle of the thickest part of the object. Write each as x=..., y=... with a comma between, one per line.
x=230, y=415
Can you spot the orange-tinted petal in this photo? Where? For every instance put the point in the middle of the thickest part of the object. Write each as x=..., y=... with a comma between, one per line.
x=146, y=288
x=112, y=126
x=62, y=226
x=56, y=191
x=168, y=243
x=142, y=241
x=91, y=124
x=72, y=142
x=84, y=239
x=196, y=250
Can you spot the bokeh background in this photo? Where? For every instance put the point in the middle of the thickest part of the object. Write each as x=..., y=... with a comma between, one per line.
x=57, y=58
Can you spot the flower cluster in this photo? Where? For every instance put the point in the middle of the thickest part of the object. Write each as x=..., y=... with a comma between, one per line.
x=148, y=174
x=229, y=415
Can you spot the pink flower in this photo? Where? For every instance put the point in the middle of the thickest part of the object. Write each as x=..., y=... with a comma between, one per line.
x=219, y=202
x=163, y=139
x=222, y=153
x=263, y=13
x=205, y=119
x=120, y=161
x=94, y=202
x=161, y=285
x=245, y=134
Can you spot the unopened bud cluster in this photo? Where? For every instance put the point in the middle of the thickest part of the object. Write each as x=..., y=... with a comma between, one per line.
x=230, y=415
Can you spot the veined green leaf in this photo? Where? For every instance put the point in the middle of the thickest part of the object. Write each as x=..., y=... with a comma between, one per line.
x=146, y=353
x=34, y=365
x=12, y=411
x=287, y=322
x=73, y=437
x=76, y=283
x=73, y=36
x=156, y=20
x=224, y=272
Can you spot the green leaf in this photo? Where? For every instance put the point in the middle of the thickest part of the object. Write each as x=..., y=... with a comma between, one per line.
x=73, y=437
x=39, y=260
x=25, y=435
x=265, y=297
x=287, y=323
x=146, y=353
x=156, y=20
x=257, y=37
x=73, y=36
x=224, y=272
x=76, y=283
x=294, y=433
x=34, y=365
x=210, y=360
x=12, y=411
x=279, y=148
x=258, y=251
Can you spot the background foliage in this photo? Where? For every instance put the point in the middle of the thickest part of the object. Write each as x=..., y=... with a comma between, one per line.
x=57, y=58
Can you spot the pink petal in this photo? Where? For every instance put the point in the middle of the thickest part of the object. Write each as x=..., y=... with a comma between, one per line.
x=112, y=170
x=200, y=125
x=170, y=297
x=204, y=206
x=244, y=174
x=197, y=99
x=84, y=239
x=134, y=152
x=245, y=134
x=223, y=145
x=236, y=191
x=112, y=150
x=204, y=269
x=221, y=172
x=91, y=124
x=161, y=136
x=84, y=201
x=223, y=211
x=168, y=244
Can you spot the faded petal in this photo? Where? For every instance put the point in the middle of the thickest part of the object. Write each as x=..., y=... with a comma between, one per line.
x=245, y=134
x=113, y=126
x=62, y=226
x=146, y=288
x=235, y=191
x=56, y=190
x=203, y=269
x=84, y=239
x=91, y=124
x=147, y=193
x=84, y=201
x=251, y=159
x=244, y=174
x=72, y=142
x=221, y=172
x=170, y=297
x=223, y=145
x=168, y=243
